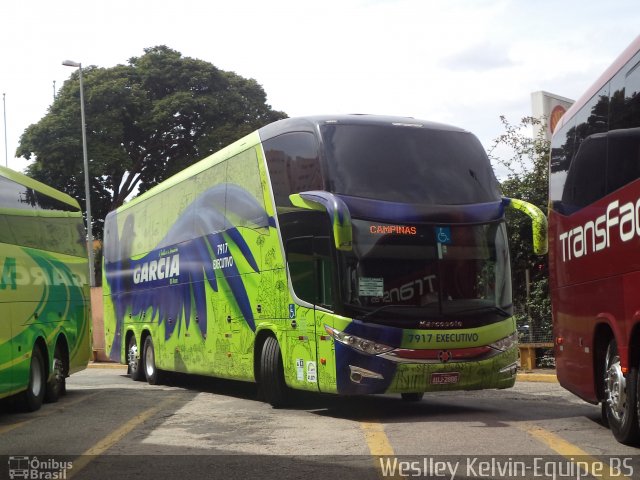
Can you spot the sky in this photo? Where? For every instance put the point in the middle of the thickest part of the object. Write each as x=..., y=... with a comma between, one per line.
x=461, y=62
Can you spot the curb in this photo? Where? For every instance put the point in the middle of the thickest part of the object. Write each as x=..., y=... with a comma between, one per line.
x=537, y=377
x=106, y=365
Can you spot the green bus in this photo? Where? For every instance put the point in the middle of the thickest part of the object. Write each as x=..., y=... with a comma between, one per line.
x=45, y=305
x=351, y=254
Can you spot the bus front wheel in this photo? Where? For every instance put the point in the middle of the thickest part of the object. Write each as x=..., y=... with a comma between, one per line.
x=34, y=394
x=619, y=403
x=152, y=373
x=134, y=358
x=272, y=383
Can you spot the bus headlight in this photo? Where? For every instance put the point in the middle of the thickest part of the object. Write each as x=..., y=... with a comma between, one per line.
x=506, y=343
x=362, y=345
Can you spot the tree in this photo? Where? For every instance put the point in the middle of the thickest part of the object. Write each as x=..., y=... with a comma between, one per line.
x=146, y=121
x=527, y=179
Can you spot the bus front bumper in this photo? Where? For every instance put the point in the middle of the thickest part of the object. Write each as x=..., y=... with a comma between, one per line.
x=362, y=376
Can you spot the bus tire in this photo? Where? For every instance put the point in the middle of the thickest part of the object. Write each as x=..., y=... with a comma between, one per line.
x=134, y=359
x=151, y=372
x=412, y=396
x=33, y=396
x=57, y=385
x=272, y=384
x=619, y=403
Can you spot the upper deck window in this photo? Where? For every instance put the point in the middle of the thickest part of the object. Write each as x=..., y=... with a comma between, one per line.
x=14, y=195
x=294, y=165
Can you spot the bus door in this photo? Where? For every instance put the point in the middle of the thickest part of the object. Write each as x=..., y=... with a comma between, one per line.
x=311, y=270
x=326, y=290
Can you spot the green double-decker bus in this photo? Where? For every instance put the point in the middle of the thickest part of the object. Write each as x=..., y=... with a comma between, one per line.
x=348, y=254
x=45, y=306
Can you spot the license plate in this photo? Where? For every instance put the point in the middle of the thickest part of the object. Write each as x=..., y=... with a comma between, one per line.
x=445, y=378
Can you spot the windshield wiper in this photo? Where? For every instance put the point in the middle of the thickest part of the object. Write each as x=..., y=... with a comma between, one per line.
x=383, y=307
x=487, y=308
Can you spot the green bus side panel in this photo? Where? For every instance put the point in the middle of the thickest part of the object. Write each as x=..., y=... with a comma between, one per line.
x=43, y=296
x=231, y=283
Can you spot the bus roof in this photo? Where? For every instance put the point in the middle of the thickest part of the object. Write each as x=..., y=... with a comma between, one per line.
x=608, y=74
x=296, y=124
x=38, y=186
x=311, y=123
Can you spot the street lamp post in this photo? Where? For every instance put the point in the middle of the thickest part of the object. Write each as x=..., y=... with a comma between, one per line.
x=92, y=281
x=6, y=150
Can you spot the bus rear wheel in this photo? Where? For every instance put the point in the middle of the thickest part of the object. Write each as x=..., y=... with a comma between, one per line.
x=154, y=376
x=272, y=384
x=58, y=384
x=619, y=408
x=33, y=396
x=134, y=359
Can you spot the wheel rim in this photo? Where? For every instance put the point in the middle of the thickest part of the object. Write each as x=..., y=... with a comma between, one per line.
x=58, y=371
x=133, y=357
x=615, y=389
x=149, y=361
x=36, y=378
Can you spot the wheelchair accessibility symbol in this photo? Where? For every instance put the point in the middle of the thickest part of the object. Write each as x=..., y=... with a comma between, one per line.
x=443, y=235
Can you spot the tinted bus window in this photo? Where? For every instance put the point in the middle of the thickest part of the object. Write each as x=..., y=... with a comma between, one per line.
x=294, y=165
x=14, y=195
x=632, y=93
x=35, y=220
x=561, y=155
x=408, y=164
x=586, y=178
x=624, y=158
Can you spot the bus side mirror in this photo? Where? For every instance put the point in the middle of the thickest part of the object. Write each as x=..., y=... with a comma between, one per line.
x=538, y=223
x=337, y=210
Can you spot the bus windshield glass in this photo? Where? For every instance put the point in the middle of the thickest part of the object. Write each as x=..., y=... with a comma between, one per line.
x=407, y=164
x=429, y=271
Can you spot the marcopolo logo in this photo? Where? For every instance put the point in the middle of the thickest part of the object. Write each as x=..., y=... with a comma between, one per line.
x=621, y=221
x=38, y=469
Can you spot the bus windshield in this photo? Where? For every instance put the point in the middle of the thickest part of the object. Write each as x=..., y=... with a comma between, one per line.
x=407, y=164
x=407, y=271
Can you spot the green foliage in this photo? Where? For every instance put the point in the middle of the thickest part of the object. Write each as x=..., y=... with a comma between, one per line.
x=146, y=121
x=527, y=179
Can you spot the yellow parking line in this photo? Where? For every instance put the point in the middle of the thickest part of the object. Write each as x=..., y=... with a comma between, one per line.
x=117, y=435
x=378, y=444
x=104, y=365
x=377, y=440
x=537, y=377
x=13, y=426
x=594, y=467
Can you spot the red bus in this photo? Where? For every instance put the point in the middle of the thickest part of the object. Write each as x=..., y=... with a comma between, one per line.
x=594, y=245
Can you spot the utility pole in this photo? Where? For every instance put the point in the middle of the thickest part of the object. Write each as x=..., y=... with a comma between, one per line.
x=78, y=65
